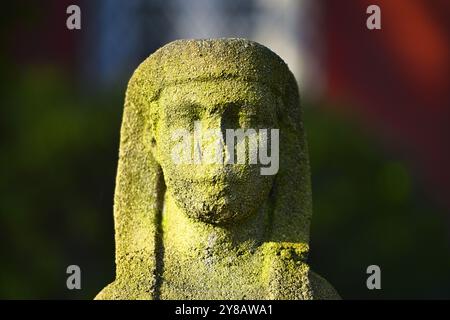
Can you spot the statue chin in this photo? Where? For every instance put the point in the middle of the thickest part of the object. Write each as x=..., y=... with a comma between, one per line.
x=220, y=217
x=217, y=210
x=219, y=206
x=219, y=199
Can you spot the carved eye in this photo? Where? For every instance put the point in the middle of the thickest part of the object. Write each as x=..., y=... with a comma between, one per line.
x=248, y=118
x=258, y=117
x=183, y=116
x=189, y=119
x=230, y=117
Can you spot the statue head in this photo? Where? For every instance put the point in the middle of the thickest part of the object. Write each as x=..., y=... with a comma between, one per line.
x=217, y=99
x=219, y=84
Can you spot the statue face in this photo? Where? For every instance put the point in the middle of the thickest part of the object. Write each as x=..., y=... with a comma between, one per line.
x=214, y=192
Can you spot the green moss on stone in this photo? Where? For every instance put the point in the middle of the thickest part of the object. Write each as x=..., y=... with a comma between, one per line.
x=195, y=231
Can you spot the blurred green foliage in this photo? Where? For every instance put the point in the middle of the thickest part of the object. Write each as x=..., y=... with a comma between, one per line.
x=370, y=209
x=58, y=161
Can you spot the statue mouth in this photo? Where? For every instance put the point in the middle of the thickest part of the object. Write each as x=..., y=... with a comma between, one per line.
x=224, y=180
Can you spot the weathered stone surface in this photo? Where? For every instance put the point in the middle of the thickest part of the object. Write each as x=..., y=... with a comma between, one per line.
x=209, y=231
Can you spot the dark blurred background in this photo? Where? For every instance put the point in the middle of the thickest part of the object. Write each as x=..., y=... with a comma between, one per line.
x=377, y=107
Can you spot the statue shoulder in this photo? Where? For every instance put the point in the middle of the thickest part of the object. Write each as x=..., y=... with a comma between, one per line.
x=121, y=291
x=321, y=288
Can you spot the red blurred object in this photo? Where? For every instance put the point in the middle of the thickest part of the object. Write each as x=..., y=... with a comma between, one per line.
x=39, y=34
x=397, y=78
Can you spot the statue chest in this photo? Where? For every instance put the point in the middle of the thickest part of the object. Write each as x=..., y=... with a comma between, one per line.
x=209, y=277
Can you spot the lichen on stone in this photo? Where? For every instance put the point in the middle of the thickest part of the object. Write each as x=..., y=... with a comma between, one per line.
x=211, y=231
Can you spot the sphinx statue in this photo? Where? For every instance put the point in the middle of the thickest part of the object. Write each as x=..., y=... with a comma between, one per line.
x=212, y=231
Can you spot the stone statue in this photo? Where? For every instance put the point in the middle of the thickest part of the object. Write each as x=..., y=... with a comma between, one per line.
x=212, y=231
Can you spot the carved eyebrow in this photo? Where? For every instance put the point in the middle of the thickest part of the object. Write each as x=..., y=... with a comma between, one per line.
x=174, y=110
x=240, y=103
x=183, y=105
